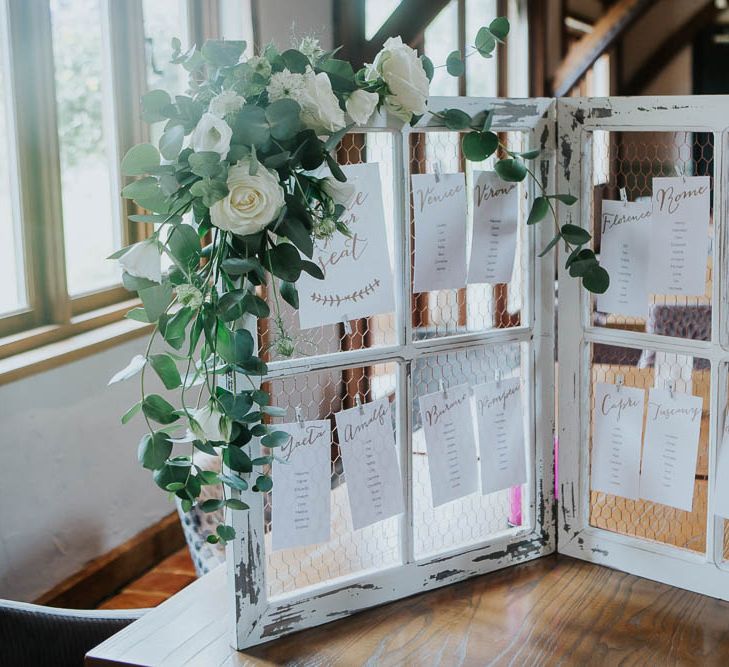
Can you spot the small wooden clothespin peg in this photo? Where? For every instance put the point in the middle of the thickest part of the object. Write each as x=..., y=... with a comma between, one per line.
x=499, y=377
x=442, y=387
x=679, y=172
x=437, y=171
x=299, y=416
x=623, y=195
x=347, y=325
x=358, y=403
x=671, y=384
x=619, y=382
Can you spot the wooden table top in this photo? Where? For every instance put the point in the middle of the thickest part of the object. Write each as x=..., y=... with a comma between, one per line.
x=552, y=610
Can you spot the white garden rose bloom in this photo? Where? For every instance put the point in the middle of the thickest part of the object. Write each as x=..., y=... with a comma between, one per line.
x=403, y=72
x=341, y=193
x=143, y=260
x=212, y=134
x=320, y=110
x=209, y=424
x=226, y=103
x=252, y=201
x=360, y=105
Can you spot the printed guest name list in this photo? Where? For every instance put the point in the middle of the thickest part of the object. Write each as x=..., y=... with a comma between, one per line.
x=499, y=418
x=671, y=446
x=440, y=231
x=371, y=467
x=618, y=428
x=680, y=243
x=301, y=494
x=448, y=429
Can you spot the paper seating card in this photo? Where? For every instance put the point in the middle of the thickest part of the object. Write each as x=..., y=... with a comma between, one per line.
x=721, y=481
x=371, y=466
x=499, y=416
x=448, y=429
x=357, y=272
x=440, y=231
x=495, y=224
x=680, y=242
x=625, y=254
x=302, y=486
x=670, y=448
x=617, y=432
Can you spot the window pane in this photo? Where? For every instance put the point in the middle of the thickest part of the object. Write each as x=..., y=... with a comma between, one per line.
x=83, y=99
x=13, y=295
x=441, y=37
x=163, y=20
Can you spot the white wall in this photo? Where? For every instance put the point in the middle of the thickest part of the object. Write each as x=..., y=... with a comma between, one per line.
x=70, y=487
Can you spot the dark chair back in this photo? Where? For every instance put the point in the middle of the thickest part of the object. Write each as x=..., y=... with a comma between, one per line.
x=36, y=636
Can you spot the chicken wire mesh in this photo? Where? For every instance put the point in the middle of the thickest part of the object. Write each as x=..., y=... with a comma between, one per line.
x=476, y=307
x=376, y=147
x=631, y=160
x=320, y=395
x=475, y=517
x=646, y=369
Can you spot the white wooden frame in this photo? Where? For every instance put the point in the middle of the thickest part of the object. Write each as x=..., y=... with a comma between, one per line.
x=259, y=619
x=577, y=118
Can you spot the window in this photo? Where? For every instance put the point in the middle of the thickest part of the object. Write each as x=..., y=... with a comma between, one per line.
x=13, y=296
x=84, y=118
x=69, y=109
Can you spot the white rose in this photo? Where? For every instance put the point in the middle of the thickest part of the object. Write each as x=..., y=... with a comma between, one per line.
x=143, y=260
x=211, y=134
x=320, y=110
x=341, y=193
x=360, y=105
x=252, y=201
x=209, y=424
x=403, y=72
x=226, y=103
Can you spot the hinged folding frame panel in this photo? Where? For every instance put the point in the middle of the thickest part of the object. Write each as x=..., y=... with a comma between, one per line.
x=605, y=144
x=412, y=349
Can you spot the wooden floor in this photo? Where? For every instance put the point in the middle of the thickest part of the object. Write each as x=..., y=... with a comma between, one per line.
x=155, y=586
x=551, y=611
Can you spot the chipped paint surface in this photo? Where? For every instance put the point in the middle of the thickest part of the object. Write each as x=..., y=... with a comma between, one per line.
x=260, y=619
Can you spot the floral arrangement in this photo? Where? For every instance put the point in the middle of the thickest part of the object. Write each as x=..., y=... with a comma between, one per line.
x=233, y=200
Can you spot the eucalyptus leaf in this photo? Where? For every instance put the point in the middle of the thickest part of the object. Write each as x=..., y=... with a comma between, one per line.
x=155, y=300
x=284, y=262
x=137, y=363
x=251, y=126
x=223, y=52
x=540, y=208
x=596, y=280
x=236, y=459
x=158, y=409
x=289, y=293
x=454, y=64
x=139, y=160
x=154, y=449
x=205, y=164
x=511, y=169
x=264, y=483
x=485, y=42
x=170, y=143
x=499, y=27
x=153, y=104
x=455, y=119
x=129, y=414
x=295, y=61
x=477, y=146
x=166, y=368
x=575, y=234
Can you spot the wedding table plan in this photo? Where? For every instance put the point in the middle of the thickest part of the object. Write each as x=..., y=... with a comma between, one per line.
x=402, y=508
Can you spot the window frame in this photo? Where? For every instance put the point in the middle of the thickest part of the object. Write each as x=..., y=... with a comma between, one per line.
x=51, y=313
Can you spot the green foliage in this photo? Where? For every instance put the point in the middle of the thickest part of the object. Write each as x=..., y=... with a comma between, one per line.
x=205, y=308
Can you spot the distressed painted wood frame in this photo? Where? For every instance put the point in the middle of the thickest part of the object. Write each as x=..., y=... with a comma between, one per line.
x=578, y=119
x=258, y=619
